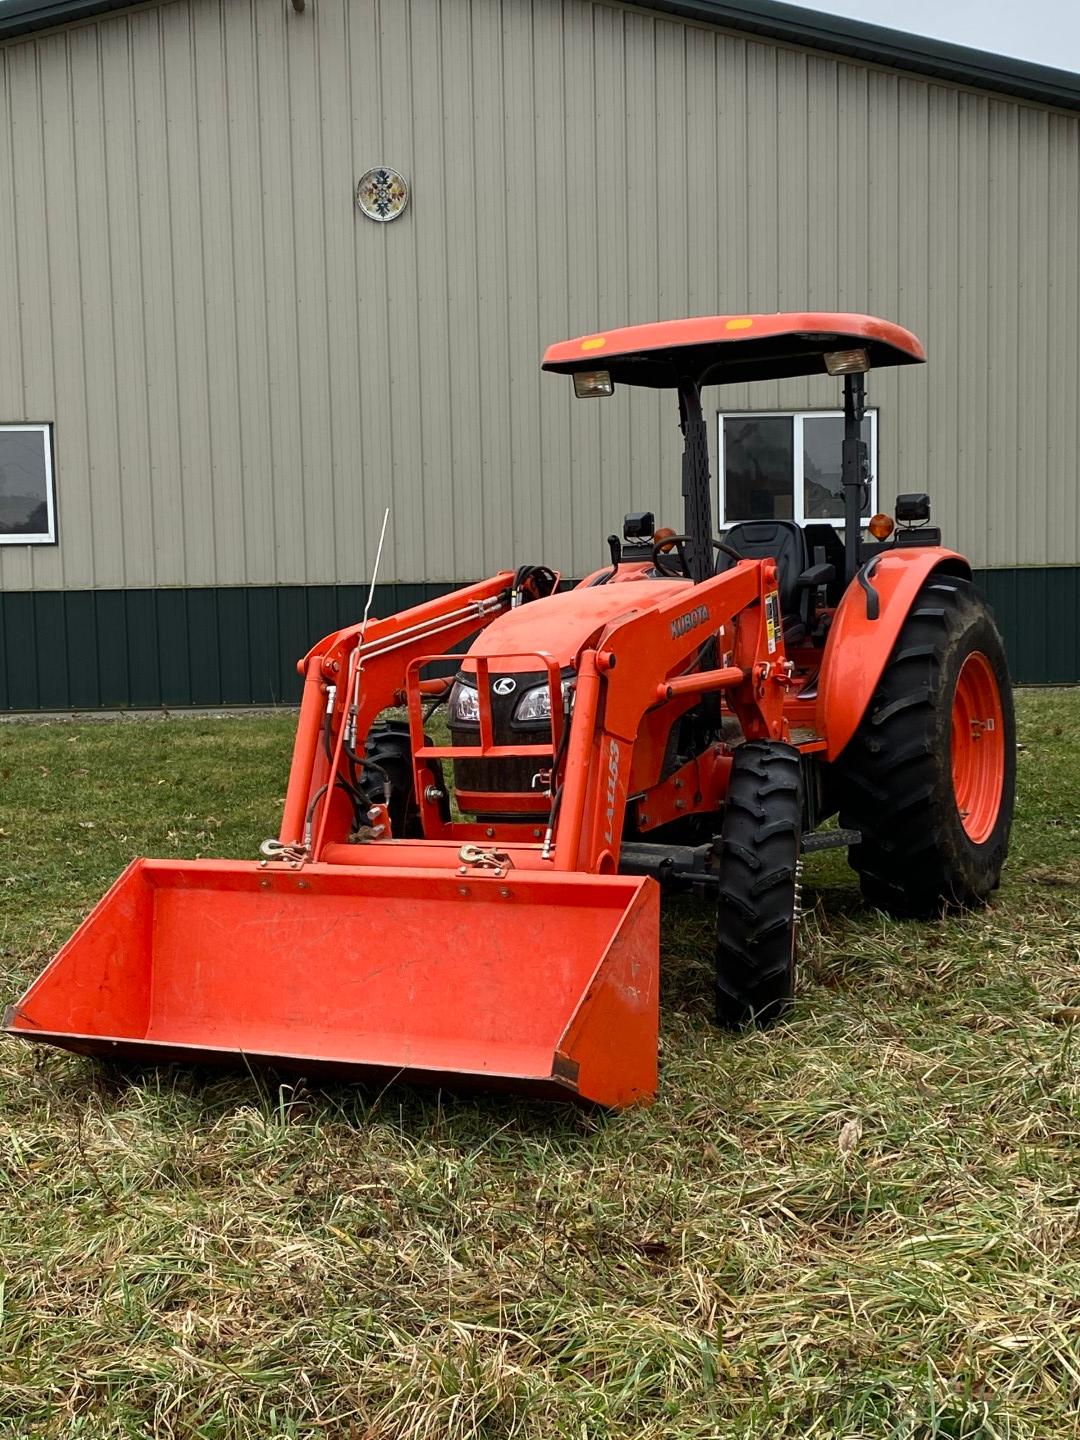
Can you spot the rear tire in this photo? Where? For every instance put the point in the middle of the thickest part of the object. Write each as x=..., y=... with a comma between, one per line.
x=929, y=777
x=388, y=760
x=757, y=863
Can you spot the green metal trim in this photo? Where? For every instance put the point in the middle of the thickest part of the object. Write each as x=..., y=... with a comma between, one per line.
x=145, y=649
x=1038, y=612
x=772, y=19
x=238, y=645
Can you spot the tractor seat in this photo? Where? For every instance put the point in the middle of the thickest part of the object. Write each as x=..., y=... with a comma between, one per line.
x=784, y=542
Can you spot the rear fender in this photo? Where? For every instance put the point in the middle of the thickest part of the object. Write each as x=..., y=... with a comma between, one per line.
x=858, y=647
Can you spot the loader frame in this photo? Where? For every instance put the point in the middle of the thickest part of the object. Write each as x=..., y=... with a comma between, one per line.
x=352, y=677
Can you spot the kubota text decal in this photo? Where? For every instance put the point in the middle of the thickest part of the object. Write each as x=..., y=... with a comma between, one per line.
x=682, y=623
x=612, y=790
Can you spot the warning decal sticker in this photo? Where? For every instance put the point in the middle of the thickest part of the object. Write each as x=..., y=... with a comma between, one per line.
x=772, y=619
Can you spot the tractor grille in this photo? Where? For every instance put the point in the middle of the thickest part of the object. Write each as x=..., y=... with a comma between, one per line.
x=513, y=775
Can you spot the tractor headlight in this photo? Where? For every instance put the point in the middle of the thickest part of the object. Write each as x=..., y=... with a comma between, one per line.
x=847, y=362
x=535, y=704
x=464, y=704
x=592, y=384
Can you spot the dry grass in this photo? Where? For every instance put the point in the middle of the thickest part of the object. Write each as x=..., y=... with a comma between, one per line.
x=864, y=1223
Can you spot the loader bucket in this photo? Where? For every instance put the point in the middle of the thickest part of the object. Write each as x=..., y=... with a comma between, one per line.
x=545, y=983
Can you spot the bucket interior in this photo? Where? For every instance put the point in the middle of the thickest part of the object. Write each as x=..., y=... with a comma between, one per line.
x=378, y=968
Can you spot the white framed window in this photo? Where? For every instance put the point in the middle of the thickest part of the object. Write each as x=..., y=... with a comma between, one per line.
x=785, y=465
x=27, y=501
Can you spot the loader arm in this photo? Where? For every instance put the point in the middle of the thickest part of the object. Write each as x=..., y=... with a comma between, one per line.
x=355, y=673
x=733, y=610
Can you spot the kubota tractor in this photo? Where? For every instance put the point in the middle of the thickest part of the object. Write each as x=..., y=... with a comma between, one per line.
x=688, y=715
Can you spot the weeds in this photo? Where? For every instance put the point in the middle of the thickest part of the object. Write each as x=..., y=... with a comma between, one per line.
x=863, y=1223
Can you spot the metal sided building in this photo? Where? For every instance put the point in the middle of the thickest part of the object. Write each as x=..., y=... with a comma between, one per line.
x=216, y=370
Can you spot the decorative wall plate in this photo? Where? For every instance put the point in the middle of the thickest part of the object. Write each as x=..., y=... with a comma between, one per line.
x=382, y=193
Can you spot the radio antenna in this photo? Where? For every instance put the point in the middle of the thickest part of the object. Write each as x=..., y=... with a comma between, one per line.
x=374, y=574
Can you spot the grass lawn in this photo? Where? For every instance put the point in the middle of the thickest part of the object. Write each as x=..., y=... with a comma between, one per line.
x=863, y=1223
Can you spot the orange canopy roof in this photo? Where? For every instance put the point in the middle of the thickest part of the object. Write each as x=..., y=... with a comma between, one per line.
x=721, y=349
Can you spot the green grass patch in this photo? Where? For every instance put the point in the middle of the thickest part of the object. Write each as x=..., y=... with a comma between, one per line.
x=863, y=1223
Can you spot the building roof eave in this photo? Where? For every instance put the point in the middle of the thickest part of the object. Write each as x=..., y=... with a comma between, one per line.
x=876, y=45
x=771, y=19
x=21, y=17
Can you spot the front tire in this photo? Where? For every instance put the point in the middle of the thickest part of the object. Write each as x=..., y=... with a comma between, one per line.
x=388, y=767
x=929, y=777
x=757, y=864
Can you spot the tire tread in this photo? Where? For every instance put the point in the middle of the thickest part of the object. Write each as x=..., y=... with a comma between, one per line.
x=757, y=862
x=894, y=776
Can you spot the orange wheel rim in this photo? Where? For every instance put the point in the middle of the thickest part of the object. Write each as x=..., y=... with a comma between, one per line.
x=978, y=747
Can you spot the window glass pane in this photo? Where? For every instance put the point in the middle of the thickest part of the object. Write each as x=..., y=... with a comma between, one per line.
x=823, y=489
x=759, y=467
x=24, y=483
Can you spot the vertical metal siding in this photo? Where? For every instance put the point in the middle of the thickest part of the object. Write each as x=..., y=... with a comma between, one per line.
x=243, y=371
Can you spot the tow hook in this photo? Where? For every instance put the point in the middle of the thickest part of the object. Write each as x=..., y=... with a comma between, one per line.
x=274, y=852
x=479, y=858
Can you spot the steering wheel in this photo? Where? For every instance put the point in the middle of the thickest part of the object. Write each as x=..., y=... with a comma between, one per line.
x=662, y=561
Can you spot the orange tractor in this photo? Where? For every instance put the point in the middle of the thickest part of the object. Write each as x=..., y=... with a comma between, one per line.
x=688, y=715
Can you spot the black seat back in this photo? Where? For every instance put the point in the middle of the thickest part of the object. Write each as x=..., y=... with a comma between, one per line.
x=824, y=546
x=779, y=540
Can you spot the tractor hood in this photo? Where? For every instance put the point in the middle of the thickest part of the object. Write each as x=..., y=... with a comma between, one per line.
x=562, y=624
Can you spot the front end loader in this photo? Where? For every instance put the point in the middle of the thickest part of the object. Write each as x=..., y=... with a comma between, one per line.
x=486, y=911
